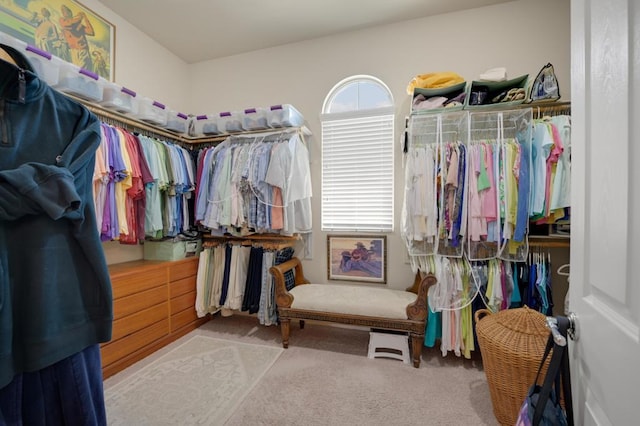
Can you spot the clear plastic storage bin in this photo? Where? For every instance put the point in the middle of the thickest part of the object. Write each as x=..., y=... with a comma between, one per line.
x=284, y=116
x=255, y=119
x=151, y=111
x=206, y=125
x=46, y=65
x=80, y=82
x=177, y=121
x=119, y=98
x=230, y=121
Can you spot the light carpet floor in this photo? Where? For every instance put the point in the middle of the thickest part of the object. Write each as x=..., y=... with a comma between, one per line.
x=323, y=378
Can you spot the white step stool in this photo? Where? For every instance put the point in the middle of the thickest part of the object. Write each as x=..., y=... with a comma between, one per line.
x=389, y=345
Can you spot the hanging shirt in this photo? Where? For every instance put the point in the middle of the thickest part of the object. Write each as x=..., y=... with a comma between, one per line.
x=542, y=143
x=101, y=178
x=153, y=210
x=123, y=185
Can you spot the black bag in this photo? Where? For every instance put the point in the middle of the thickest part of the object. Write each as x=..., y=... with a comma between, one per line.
x=542, y=403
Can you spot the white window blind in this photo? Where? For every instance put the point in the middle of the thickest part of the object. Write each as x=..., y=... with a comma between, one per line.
x=357, y=170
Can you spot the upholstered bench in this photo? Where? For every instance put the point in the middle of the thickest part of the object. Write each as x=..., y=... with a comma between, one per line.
x=351, y=304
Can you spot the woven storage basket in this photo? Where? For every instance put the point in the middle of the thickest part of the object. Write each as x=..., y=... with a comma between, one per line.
x=512, y=344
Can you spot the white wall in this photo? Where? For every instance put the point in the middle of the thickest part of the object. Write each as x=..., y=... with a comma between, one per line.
x=145, y=66
x=521, y=36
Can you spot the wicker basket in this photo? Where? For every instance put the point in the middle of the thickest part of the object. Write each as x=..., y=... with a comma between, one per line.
x=512, y=343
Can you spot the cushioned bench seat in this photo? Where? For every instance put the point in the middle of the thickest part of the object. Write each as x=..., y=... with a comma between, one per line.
x=361, y=305
x=355, y=300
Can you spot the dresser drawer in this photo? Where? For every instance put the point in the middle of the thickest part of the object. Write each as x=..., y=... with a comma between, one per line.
x=137, y=302
x=183, y=318
x=137, y=281
x=180, y=287
x=138, y=321
x=119, y=349
x=183, y=269
x=180, y=303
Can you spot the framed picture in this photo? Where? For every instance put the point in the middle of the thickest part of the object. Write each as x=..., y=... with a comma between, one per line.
x=357, y=258
x=65, y=29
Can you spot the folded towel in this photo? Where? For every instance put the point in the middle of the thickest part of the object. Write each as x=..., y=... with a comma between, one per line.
x=431, y=103
x=494, y=74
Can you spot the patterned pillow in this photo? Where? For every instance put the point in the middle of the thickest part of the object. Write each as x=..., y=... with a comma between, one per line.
x=281, y=257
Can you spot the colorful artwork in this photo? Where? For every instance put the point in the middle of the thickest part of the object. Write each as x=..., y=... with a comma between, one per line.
x=357, y=258
x=63, y=28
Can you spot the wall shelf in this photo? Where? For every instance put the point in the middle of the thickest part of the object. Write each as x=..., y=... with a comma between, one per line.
x=138, y=126
x=549, y=241
x=267, y=241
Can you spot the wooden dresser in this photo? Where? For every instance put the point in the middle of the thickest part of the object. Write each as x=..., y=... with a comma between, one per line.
x=153, y=305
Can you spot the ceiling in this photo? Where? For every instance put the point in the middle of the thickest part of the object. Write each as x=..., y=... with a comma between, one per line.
x=199, y=30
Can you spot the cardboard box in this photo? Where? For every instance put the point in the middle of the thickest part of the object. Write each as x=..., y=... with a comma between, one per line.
x=172, y=249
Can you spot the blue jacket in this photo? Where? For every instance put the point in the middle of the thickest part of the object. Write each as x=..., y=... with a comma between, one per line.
x=55, y=290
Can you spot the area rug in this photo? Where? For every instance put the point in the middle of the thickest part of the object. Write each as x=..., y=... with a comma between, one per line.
x=201, y=381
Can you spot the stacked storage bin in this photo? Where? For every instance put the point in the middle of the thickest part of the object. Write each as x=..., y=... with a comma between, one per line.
x=284, y=116
x=119, y=99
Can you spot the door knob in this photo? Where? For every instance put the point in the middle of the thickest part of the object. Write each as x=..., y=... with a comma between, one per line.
x=573, y=331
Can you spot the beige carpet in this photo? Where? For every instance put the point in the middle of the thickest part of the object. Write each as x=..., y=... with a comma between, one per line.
x=199, y=382
x=325, y=378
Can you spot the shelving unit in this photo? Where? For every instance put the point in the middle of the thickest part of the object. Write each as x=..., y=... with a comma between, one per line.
x=267, y=241
x=549, y=241
x=135, y=125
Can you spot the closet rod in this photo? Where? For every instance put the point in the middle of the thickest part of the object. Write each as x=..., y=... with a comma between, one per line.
x=268, y=132
x=551, y=110
x=254, y=237
x=266, y=241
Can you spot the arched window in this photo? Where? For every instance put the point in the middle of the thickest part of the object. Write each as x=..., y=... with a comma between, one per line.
x=357, y=156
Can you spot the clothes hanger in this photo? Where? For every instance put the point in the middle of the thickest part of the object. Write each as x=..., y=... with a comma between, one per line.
x=563, y=270
x=6, y=57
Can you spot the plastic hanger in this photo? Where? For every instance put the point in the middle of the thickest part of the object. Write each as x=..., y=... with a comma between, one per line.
x=6, y=57
x=561, y=269
x=17, y=58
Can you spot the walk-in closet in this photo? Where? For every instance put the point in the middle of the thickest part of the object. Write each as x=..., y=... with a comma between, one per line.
x=299, y=213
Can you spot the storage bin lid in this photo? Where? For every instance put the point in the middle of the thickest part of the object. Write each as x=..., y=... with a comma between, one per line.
x=521, y=331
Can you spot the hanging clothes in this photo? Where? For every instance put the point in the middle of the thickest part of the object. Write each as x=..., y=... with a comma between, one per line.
x=142, y=187
x=255, y=186
x=551, y=195
x=434, y=212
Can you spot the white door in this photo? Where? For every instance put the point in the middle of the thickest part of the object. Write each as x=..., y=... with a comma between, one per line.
x=605, y=231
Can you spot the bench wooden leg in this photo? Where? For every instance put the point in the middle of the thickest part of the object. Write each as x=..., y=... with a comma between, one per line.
x=301, y=324
x=416, y=348
x=284, y=330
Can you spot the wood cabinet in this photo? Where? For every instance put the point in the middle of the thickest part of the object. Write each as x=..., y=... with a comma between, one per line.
x=153, y=305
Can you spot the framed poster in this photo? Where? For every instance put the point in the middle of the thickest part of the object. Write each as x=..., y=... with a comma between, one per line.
x=64, y=28
x=357, y=258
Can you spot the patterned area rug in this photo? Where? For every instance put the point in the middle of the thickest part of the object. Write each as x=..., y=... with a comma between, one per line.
x=201, y=381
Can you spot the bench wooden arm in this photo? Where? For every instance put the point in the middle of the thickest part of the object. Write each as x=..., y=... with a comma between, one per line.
x=418, y=310
x=284, y=299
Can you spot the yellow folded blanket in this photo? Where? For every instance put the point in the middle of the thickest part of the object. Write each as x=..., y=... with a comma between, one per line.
x=434, y=80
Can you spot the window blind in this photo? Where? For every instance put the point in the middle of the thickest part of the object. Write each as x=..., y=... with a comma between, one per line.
x=357, y=171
